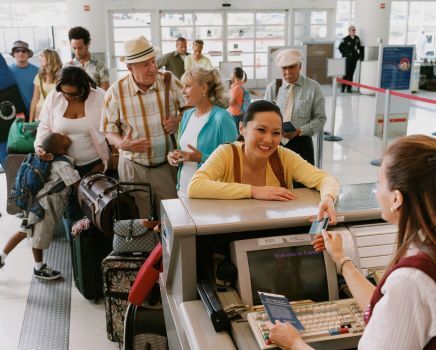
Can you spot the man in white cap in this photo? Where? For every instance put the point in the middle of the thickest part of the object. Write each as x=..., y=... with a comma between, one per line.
x=23, y=71
x=301, y=102
x=135, y=122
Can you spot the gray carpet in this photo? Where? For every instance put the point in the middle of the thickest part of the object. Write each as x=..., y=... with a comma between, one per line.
x=46, y=324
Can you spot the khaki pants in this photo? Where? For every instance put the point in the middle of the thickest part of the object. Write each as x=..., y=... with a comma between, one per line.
x=161, y=179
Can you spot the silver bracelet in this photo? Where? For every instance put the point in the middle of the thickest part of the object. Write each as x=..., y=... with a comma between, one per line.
x=340, y=264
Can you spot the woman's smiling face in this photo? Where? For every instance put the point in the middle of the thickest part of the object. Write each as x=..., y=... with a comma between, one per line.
x=262, y=134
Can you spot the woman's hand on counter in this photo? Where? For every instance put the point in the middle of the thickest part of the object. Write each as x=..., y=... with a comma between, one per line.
x=272, y=193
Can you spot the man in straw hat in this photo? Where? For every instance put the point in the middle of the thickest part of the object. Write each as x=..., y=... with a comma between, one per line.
x=23, y=71
x=301, y=102
x=135, y=122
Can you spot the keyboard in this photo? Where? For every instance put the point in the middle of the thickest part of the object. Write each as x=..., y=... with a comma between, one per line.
x=323, y=321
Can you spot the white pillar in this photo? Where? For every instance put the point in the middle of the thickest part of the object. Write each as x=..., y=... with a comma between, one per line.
x=372, y=21
x=90, y=14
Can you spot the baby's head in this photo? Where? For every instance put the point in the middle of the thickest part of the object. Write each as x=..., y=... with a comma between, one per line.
x=56, y=144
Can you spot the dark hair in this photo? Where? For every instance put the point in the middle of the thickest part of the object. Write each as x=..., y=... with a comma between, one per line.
x=239, y=73
x=78, y=78
x=256, y=107
x=52, y=144
x=79, y=33
x=259, y=106
x=411, y=169
x=198, y=42
x=180, y=39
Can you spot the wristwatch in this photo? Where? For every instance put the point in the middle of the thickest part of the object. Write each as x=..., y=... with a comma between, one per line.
x=341, y=263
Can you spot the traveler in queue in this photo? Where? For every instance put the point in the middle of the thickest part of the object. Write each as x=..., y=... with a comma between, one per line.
x=253, y=176
x=204, y=127
x=401, y=311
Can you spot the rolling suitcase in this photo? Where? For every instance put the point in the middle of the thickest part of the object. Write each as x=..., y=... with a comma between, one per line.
x=12, y=164
x=144, y=327
x=119, y=273
x=87, y=252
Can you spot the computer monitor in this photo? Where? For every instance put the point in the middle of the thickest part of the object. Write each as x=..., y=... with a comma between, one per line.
x=285, y=265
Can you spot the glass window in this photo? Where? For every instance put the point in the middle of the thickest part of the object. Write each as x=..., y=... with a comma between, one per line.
x=422, y=31
x=398, y=23
x=239, y=19
x=211, y=19
x=270, y=18
x=176, y=19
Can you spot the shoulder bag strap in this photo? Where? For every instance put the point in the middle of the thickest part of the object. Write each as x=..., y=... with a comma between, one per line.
x=167, y=81
x=277, y=168
x=41, y=87
x=236, y=164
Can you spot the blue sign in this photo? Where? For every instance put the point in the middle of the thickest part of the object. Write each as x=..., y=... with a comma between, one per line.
x=397, y=66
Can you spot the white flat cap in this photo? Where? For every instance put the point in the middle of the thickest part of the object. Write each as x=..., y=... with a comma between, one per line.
x=288, y=57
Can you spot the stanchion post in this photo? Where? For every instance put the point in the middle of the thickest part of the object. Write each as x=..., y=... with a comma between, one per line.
x=385, y=138
x=318, y=161
x=332, y=136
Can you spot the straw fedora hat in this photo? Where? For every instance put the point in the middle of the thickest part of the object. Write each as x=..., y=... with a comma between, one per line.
x=137, y=50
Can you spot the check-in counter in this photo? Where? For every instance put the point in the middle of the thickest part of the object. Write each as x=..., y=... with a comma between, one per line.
x=192, y=224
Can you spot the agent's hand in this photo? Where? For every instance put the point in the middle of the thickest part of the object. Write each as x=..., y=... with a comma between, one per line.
x=175, y=157
x=318, y=243
x=43, y=155
x=291, y=134
x=333, y=245
x=271, y=193
x=194, y=156
x=171, y=124
x=327, y=208
x=286, y=336
x=141, y=145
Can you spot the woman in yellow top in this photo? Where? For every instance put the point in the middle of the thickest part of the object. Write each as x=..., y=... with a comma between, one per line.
x=261, y=129
x=45, y=80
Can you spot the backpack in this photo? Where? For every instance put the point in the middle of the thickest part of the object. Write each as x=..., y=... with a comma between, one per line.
x=246, y=100
x=31, y=178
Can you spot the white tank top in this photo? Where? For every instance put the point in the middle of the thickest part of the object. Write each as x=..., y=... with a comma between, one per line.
x=82, y=148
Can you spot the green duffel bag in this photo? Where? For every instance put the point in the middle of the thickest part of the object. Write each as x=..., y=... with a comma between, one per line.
x=22, y=136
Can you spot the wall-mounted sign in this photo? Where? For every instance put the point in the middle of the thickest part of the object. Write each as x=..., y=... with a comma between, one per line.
x=396, y=69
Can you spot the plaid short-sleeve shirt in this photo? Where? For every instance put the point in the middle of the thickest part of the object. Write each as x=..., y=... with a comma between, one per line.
x=127, y=106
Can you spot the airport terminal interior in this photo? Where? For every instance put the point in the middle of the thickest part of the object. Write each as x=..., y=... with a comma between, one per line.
x=38, y=314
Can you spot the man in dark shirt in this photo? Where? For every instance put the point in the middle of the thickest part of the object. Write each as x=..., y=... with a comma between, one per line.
x=174, y=60
x=352, y=50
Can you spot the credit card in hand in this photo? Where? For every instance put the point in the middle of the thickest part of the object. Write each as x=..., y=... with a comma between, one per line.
x=318, y=227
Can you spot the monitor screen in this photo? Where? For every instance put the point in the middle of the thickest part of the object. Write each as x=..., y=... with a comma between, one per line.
x=285, y=265
x=296, y=272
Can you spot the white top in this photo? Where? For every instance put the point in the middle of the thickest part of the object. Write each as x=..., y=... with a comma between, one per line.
x=405, y=317
x=82, y=147
x=190, y=136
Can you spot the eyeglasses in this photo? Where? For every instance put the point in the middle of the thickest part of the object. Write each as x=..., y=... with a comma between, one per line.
x=353, y=30
x=75, y=94
x=21, y=50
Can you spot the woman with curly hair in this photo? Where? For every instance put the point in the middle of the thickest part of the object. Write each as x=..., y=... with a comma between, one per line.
x=45, y=80
x=204, y=127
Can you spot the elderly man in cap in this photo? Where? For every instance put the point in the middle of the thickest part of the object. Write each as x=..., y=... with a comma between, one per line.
x=301, y=102
x=135, y=122
x=23, y=71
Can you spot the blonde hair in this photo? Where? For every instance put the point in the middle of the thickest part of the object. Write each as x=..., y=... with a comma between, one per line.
x=211, y=77
x=52, y=66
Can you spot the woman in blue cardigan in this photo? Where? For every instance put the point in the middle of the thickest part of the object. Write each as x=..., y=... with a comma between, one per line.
x=204, y=127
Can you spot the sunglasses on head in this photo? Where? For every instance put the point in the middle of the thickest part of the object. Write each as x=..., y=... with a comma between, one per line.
x=21, y=50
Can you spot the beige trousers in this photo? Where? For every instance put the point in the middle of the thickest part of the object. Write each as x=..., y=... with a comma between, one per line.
x=161, y=179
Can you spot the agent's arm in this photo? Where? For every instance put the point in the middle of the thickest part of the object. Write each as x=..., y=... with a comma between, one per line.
x=360, y=287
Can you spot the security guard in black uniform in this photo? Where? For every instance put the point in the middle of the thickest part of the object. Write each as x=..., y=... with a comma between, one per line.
x=352, y=50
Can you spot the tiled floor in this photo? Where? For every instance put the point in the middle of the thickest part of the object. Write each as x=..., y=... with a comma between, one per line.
x=348, y=160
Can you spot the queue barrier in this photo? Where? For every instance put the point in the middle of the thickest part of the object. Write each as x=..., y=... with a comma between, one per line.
x=386, y=120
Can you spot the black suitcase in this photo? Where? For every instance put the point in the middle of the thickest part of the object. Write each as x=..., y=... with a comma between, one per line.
x=144, y=328
x=87, y=252
x=12, y=164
